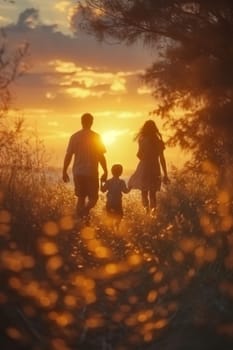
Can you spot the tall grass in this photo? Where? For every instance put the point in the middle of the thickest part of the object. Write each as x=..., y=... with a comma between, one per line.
x=159, y=281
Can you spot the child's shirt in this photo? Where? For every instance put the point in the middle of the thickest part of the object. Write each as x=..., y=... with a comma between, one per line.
x=114, y=187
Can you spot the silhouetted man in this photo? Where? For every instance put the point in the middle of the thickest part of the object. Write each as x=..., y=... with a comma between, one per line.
x=88, y=151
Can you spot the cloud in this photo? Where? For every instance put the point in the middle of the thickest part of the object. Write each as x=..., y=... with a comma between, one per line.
x=3, y=20
x=81, y=48
x=80, y=92
x=62, y=6
x=143, y=90
x=65, y=67
x=120, y=114
x=118, y=85
x=28, y=19
x=84, y=82
x=129, y=115
x=55, y=135
x=38, y=112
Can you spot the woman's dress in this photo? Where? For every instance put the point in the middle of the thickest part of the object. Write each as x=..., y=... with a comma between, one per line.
x=147, y=175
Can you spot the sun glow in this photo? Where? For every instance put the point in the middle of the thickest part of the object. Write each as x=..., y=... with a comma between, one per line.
x=109, y=137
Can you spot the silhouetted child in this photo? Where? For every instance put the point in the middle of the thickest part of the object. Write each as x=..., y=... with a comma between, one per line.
x=114, y=188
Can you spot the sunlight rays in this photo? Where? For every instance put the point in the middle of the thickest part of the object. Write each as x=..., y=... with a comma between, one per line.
x=110, y=136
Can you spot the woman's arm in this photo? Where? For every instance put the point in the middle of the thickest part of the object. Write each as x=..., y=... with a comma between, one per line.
x=124, y=188
x=164, y=167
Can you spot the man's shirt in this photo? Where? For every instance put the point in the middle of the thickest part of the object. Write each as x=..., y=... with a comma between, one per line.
x=87, y=148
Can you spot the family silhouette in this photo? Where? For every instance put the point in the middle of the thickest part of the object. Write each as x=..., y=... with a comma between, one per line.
x=87, y=149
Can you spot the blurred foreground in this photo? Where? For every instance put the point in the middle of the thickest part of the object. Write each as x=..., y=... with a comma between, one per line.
x=163, y=282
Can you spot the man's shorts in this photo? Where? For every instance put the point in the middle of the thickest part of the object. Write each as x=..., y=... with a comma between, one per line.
x=86, y=186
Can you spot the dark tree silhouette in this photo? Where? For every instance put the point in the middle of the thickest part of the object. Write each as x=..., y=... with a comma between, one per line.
x=12, y=65
x=192, y=78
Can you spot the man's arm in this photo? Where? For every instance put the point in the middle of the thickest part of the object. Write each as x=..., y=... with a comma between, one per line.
x=103, y=163
x=103, y=186
x=67, y=161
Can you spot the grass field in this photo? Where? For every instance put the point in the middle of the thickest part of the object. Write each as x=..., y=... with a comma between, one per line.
x=155, y=283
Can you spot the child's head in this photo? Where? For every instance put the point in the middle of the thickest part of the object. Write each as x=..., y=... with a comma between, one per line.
x=117, y=170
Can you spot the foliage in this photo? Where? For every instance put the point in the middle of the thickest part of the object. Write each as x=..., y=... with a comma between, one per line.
x=23, y=158
x=12, y=66
x=192, y=77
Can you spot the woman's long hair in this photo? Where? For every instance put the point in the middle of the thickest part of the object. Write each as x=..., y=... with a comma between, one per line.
x=149, y=130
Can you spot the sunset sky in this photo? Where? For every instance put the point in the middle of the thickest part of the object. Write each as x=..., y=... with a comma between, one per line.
x=70, y=73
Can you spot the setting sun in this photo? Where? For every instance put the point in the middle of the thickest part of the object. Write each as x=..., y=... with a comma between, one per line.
x=109, y=137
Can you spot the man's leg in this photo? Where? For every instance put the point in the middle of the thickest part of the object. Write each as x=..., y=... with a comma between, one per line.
x=91, y=202
x=80, y=207
x=93, y=194
x=80, y=192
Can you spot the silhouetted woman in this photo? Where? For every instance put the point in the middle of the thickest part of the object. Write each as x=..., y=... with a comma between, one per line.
x=147, y=176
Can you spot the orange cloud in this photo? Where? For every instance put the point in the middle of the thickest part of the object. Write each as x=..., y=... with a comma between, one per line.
x=62, y=6
x=143, y=90
x=84, y=82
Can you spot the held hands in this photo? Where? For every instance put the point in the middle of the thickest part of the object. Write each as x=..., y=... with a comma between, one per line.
x=129, y=187
x=103, y=180
x=104, y=177
x=65, y=177
x=166, y=180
